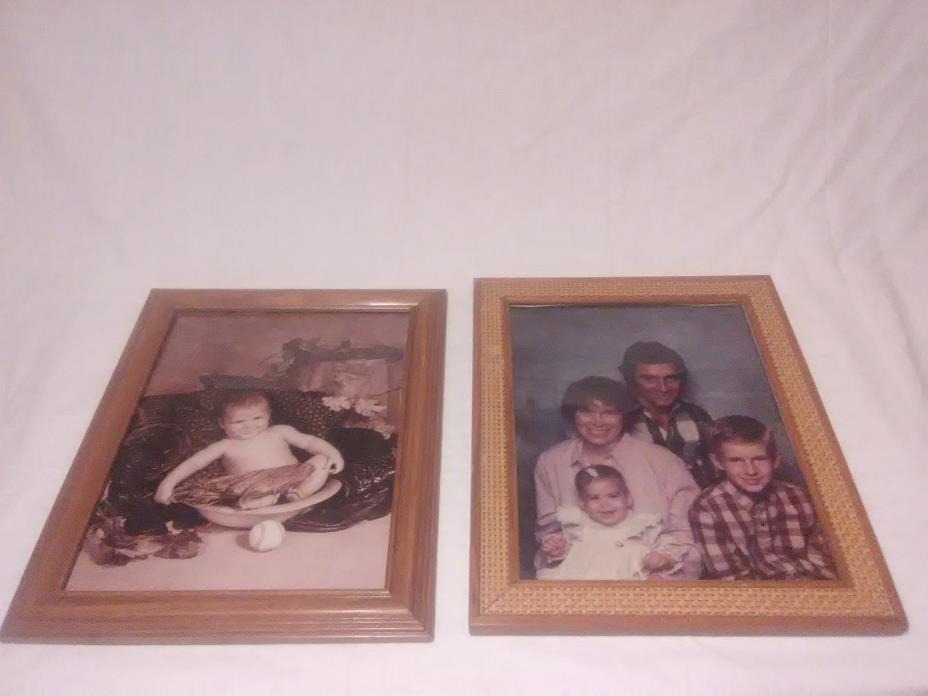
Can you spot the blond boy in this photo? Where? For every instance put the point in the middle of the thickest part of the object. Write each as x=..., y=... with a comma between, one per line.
x=750, y=525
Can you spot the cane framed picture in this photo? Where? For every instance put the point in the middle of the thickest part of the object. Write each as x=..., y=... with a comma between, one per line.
x=263, y=467
x=651, y=456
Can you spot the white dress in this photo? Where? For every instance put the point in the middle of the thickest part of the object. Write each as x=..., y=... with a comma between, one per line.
x=604, y=552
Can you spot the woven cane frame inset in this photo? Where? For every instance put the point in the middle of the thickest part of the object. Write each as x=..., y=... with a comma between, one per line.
x=863, y=589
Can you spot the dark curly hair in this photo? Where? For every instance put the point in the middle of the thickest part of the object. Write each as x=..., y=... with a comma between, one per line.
x=651, y=353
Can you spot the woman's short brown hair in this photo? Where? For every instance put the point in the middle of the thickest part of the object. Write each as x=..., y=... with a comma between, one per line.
x=584, y=392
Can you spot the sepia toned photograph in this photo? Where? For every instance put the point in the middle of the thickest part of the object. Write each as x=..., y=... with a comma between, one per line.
x=263, y=466
x=651, y=456
x=261, y=456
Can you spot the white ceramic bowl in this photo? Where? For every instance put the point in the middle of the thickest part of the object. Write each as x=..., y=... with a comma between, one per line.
x=245, y=519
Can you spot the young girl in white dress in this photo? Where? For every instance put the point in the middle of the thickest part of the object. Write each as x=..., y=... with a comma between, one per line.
x=605, y=539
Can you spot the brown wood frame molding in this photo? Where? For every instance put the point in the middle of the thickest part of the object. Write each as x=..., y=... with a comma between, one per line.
x=862, y=599
x=43, y=611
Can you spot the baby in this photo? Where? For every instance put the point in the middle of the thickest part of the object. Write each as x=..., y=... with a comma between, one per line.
x=606, y=540
x=260, y=467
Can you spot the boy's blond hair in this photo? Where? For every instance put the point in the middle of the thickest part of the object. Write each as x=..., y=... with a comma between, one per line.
x=740, y=429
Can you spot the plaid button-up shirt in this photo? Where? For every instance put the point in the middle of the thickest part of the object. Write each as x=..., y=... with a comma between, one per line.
x=772, y=536
x=687, y=436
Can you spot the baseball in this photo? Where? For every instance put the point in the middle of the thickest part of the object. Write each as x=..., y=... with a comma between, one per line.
x=266, y=536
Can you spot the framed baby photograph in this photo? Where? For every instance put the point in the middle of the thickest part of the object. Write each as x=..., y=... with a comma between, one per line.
x=651, y=457
x=263, y=467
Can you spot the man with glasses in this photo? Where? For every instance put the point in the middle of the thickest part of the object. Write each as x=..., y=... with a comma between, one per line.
x=657, y=375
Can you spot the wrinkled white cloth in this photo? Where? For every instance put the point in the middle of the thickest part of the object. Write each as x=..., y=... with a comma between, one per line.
x=363, y=144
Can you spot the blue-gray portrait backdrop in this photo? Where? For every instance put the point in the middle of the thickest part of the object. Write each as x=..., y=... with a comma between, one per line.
x=553, y=346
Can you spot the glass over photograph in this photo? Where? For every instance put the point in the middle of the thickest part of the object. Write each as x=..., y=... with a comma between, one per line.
x=261, y=456
x=649, y=444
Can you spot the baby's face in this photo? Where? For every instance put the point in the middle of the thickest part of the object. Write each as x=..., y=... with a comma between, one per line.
x=246, y=421
x=604, y=501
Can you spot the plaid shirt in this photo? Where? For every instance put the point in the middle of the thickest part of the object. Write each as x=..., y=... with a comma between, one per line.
x=770, y=537
x=687, y=436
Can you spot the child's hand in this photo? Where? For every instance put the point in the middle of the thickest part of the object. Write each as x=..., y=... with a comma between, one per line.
x=554, y=546
x=164, y=493
x=655, y=562
x=336, y=463
x=330, y=464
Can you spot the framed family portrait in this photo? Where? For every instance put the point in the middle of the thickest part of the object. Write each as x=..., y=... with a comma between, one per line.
x=263, y=467
x=651, y=456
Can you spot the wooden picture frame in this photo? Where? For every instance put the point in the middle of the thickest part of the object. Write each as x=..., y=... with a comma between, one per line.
x=44, y=610
x=862, y=600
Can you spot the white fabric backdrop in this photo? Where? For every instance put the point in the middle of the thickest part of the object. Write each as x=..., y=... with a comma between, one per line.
x=374, y=144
